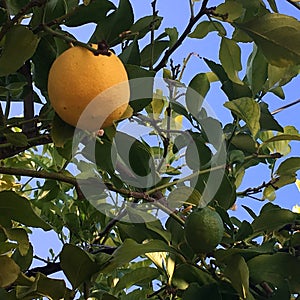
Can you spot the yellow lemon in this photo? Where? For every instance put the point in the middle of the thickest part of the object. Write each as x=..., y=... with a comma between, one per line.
x=87, y=90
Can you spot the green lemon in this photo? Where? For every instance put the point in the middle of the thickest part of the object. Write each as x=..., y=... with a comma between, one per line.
x=203, y=230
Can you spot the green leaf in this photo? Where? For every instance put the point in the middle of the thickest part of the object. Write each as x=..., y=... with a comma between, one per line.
x=20, y=44
x=231, y=8
x=186, y=274
x=151, y=53
x=184, y=195
x=230, y=57
x=18, y=208
x=24, y=262
x=196, y=92
x=77, y=264
x=274, y=269
x=248, y=110
x=131, y=54
x=194, y=291
x=94, y=12
x=244, y=142
x=245, y=230
x=289, y=167
x=273, y=5
x=257, y=70
x=267, y=121
x=61, y=131
x=20, y=236
x=231, y=89
x=112, y=27
x=173, y=35
x=140, y=90
x=278, y=76
x=205, y=27
x=130, y=250
x=9, y=271
x=142, y=26
x=17, y=139
x=42, y=59
x=43, y=286
x=272, y=218
x=135, y=277
x=280, y=142
x=277, y=36
x=238, y=273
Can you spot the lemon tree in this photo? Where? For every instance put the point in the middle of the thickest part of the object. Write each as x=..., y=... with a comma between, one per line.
x=110, y=145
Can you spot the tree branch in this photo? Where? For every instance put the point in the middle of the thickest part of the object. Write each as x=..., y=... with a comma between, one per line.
x=19, y=15
x=295, y=4
x=193, y=20
x=29, y=128
x=258, y=189
x=9, y=150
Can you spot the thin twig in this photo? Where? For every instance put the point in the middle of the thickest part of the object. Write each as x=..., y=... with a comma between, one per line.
x=154, y=14
x=295, y=4
x=258, y=189
x=19, y=15
x=276, y=111
x=193, y=20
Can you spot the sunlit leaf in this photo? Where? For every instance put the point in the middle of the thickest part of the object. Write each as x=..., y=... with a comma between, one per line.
x=230, y=57
x=277, y=36
x=248, y=110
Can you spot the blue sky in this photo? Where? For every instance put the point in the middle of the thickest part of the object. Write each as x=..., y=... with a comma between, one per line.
x=176, y=13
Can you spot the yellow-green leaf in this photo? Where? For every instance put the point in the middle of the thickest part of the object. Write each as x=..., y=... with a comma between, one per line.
x=248, y=110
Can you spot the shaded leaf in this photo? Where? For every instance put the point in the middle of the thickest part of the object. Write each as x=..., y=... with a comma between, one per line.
x=12, y=56
x=94, y=12
x=238, y=273
x=151, y=53
x=142, y=26
x=205, y=27
x=267, y=121
x=111, y=29
x=77, y=264
x=196, y=92
x=272, y=218
x=274, y=269
x=17, y=139
x=18, y=208
x=140, y=90
x=9, y=271
x=289, y=167
x=43, y=286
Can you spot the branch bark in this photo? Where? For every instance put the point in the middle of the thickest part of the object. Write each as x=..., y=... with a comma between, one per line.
x=193, y=20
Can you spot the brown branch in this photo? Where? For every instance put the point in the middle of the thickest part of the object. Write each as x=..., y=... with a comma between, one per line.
x=9, y=150
x=19, y=15
x=193, y=20
x=295, y=4
x=276, y=111
x=29, y=128
x=258, y=189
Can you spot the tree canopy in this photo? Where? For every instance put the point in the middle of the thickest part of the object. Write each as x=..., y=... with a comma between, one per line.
x=119, y=198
